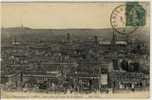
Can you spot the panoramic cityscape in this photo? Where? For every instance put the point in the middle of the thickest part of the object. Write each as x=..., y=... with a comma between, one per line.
x=29, y=61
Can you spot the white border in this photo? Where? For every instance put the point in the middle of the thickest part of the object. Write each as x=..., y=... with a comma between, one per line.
x=94, y=1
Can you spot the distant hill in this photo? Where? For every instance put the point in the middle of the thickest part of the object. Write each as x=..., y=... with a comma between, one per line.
x=104, y=34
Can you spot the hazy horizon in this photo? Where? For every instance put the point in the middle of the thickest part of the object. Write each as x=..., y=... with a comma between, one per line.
x=59, y=15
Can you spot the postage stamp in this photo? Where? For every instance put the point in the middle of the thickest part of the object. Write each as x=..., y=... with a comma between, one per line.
x=128, y=17
x=135, y=14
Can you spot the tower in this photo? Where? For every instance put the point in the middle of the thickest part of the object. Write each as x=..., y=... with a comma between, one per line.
x=22, y=28
x=114, y=39
x=114, y=51
x=96, y=40
x=68, y=37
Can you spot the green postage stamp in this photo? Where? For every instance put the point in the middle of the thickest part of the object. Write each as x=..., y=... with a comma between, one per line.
x=135, y=14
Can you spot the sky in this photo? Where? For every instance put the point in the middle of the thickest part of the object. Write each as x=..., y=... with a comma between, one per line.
x=57, y=15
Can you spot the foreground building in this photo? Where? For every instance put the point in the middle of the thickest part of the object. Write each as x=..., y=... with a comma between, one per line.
x=73, y=65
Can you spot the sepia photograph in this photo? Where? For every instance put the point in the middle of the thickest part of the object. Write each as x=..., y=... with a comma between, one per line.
x=75, y=50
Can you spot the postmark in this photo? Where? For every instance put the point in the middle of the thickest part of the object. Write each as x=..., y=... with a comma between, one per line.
x=126, y=19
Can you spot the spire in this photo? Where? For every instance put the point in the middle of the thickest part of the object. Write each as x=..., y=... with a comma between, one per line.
x=114, y=39
x=22, y=28
x=96, y=40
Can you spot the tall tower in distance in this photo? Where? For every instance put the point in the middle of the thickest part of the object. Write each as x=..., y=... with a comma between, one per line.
x=22, y=28
x=68, y=37
x=114, y=39
x=96, y=40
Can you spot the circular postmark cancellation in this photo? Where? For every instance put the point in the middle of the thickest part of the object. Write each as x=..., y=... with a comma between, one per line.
x=125, y=19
